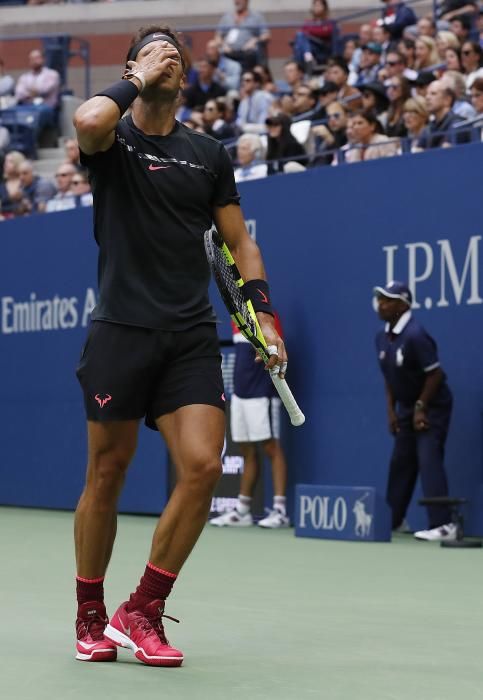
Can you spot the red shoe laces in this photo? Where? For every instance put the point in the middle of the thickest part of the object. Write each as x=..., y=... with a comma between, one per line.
x=93, y=625
x=155, y=622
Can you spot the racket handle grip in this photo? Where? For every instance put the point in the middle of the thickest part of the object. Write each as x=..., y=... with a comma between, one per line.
x=295, y=414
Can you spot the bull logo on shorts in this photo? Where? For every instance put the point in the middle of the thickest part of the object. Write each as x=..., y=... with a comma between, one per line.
x=102, y=399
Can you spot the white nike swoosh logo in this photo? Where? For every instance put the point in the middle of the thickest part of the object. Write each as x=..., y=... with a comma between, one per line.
x=88, y=646
x=125, y=629
x=158, y=167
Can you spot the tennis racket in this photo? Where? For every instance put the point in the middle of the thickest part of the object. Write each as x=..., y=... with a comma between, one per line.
x=241, y=310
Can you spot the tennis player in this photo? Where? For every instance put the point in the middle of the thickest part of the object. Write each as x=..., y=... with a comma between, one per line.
x=152, y=350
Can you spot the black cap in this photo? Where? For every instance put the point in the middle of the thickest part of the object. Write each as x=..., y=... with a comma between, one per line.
x=377, y=89
x=425, y=77
x=327, y=88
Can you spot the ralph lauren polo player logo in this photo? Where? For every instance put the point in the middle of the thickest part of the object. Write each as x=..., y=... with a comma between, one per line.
x=399, y=357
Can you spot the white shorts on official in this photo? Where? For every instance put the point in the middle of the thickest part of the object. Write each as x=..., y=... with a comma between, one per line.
x=254, y=420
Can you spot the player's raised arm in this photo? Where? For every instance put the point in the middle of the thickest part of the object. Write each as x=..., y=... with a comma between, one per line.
x=96, y=119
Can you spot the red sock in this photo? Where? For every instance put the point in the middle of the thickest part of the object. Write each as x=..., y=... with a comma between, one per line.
x=89, y=589
x=155, y=584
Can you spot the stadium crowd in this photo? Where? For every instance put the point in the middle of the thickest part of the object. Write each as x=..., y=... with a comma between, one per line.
x=403, y=84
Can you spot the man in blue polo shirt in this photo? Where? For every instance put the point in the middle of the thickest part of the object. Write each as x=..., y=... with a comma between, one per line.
x=419, y=406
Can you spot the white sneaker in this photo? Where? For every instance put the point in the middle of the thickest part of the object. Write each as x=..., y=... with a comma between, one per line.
x=232, y=518
x=274, y=519
x=444, y=533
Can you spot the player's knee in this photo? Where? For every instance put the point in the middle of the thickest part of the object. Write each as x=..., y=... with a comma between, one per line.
x=204, y=473
x=107, y=472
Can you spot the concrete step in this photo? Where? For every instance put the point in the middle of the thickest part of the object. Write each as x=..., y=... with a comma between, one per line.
x=50, y=153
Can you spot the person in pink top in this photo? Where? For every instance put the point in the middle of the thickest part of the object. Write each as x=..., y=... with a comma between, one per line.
x=38, y=90
x=39, y=85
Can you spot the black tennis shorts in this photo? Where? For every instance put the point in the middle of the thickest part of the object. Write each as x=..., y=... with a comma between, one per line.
x=128, y=373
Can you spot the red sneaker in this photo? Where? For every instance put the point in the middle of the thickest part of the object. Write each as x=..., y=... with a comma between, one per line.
x=143, y=632
x=91, y=643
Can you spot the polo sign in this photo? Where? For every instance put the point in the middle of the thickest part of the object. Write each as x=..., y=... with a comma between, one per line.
x=341, y=513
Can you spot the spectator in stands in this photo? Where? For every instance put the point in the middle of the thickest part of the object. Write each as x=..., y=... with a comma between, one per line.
x=214, y=121
x=422, y=81
x=477, y=95
x=205, y=87
x=419, y=405
x=81, y=189
x=64, y=197
x=446, y=40
x=35, y=189
x=250, y=153
x=254, y=105
x=370, y=143
x=452, y=58
x=416, y=117
x=338, y=72
x=426, y=26
x=326, y=95
x=365, y=36
x=398, y=91
x=407, y=48
x=227, y=71
x=11, y=186
x=369, y=65
x=439, y=101
x=293, y=74
x=375, y=99
x=456, y=82
x=242, y=35
x=72, y=153
x=39, y=88
x=394, y=66
x=396, y=17
x=7, y=85
x=448, y=9
x=282, y=146
x=479, y=26
x=461, y=27
x=313, y=44
x=426, y=53
x=4, y=143
x=381, y=35
x=266, y=79
x=472, y=60
x=330, y=137
x=305, y=103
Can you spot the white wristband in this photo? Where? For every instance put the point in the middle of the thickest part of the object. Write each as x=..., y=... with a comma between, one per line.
x=140, y=76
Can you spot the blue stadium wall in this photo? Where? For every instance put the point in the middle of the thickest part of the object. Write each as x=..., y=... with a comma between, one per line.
x=328, y=236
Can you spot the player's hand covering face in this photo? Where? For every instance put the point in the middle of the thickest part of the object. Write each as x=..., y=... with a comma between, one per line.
x=160, y=62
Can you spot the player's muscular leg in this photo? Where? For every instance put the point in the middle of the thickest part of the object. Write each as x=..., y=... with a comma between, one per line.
x=274, y=452
x=111, y=447
x=194, y=435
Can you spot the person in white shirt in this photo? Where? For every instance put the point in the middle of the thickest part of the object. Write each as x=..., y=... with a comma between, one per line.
x=250, y=152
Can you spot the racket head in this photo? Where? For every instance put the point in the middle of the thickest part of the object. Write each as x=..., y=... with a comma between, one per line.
x=230, y=284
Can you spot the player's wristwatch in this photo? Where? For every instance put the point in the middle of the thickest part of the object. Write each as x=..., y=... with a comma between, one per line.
x=419, y=405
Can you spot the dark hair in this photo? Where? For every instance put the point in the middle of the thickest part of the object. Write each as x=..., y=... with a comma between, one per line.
x=457, y=51
x=300, y=67
x=257, y=78
x=264, y=72
x=370, y=116
x=340, y=62
x=408, y=43
x=286, y=145
x=477, y=84
x=476, y=48
x=400, y=57
x=157, y=29
x=466, y=21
